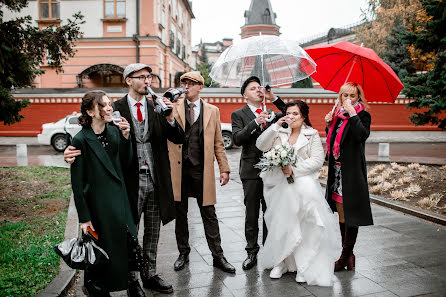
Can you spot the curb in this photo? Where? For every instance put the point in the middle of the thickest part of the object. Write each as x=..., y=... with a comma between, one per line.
x=402, y=208
x=63, y=281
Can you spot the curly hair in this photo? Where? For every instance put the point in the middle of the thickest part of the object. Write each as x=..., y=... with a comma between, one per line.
x=303, y=108
x=89, y=101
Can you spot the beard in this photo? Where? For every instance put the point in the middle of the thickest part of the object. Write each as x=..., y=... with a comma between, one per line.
x=142, y=91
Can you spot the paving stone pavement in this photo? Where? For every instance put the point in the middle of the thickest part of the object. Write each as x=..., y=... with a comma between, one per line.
x=399, y=256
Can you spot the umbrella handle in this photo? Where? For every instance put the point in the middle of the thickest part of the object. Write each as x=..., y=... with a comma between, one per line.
x=336, y=104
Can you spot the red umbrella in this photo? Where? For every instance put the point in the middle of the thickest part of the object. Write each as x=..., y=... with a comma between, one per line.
x=343, y=62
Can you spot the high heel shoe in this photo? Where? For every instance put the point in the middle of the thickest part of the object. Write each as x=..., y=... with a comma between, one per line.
x=347, y=259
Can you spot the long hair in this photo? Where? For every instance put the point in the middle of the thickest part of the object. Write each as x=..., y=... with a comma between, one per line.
x=303, y=108
x=353, y=87
x=89, y=101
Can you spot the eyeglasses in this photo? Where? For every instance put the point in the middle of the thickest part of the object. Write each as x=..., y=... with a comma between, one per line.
x=142, y=77
x=189, y=83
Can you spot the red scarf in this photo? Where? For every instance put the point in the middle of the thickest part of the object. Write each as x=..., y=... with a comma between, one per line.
x=337, y=143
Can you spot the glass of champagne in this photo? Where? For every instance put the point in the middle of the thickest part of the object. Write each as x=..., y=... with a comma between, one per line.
x=116, y=117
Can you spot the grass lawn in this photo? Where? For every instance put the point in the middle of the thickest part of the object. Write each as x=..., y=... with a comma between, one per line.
x=33, y=210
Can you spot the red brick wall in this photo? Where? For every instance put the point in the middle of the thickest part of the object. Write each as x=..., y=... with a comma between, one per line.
x=50, y=109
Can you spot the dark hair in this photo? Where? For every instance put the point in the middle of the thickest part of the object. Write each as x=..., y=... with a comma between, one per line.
x=246, y=82
x=89, y=101
x=303, y=108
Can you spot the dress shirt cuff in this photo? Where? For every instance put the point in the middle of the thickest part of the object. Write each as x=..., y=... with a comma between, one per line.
x=172, y=123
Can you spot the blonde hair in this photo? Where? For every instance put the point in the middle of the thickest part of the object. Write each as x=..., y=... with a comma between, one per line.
x=353, y=87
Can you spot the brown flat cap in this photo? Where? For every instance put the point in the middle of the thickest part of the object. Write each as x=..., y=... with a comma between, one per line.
x=193, y=75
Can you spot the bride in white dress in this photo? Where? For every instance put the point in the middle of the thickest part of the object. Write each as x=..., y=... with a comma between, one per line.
x=302, y=229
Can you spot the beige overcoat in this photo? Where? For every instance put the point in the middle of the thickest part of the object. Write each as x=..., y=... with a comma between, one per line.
x=213, y=149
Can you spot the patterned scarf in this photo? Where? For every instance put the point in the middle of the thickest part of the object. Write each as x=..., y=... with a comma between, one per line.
x=340, y=114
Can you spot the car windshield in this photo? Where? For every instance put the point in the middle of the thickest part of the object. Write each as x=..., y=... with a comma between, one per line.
x=73, y=120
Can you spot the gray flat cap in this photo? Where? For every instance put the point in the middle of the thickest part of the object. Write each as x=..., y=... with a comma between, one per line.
x=135, y=67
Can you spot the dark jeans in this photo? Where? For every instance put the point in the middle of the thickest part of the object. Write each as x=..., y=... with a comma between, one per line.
x=253, y=197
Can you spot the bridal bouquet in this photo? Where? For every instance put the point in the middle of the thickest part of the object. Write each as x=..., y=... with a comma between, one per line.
x=278, y=156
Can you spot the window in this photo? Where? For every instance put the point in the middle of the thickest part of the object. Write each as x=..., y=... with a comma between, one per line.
x=172, y=40
x=183, y=53
x=267, y=17
x=178, y=47
x=114, y=8
x=49, y=9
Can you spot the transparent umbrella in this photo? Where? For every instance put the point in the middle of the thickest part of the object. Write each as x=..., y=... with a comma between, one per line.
x=275, y=61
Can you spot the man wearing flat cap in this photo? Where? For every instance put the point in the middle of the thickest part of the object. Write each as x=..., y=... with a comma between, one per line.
x=192, y=168
x=147, y=179
x=247, y=125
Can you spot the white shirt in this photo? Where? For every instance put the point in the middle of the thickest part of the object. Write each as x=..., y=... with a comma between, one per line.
x=253, y=109
x=134, y=108
x=196, y=108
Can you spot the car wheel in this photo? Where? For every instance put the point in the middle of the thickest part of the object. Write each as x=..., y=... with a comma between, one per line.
x=227, y=139
x=59, y=142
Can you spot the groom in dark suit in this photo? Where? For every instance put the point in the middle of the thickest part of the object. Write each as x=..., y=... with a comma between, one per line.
x=247, y=125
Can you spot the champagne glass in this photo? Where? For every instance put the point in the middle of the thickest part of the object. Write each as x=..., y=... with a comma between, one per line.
x=116, y=117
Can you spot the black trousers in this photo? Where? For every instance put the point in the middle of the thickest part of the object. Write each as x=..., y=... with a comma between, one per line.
x=192, y=186
x=253, y=192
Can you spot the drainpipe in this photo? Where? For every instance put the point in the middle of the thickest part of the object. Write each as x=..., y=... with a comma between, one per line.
x=136, y=36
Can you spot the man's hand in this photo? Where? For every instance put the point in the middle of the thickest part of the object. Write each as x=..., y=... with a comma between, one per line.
x=224, y=178
x=261, y=118
x=70, y=154
x=169, y=103
x=269, y=95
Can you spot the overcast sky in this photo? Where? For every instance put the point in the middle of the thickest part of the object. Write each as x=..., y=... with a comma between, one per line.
x=298, y=19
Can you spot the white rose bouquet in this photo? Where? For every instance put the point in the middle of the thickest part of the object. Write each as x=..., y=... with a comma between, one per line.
x=278, y=156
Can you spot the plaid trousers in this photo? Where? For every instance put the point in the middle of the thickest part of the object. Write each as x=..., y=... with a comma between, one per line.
x=149, y=205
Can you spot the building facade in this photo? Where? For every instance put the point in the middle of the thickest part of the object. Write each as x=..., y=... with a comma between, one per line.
x=115, y=34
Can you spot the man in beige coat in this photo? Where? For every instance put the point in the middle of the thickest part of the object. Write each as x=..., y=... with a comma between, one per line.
x=192, y=169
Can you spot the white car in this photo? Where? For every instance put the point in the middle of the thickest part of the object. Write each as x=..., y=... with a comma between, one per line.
x=60, y=133
x=226, y=132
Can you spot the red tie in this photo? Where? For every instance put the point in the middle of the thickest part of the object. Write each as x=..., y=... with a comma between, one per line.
x=138, y=112
x=259, y=111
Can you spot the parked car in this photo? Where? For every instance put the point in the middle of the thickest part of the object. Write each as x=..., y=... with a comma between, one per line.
x=60, y=133
x=226, y=132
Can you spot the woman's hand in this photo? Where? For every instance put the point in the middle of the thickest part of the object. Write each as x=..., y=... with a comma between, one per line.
x=124, y=126
x=287, y=171
x=85, y=225
x=281, y=120
x=347, y=104
x=329, y=117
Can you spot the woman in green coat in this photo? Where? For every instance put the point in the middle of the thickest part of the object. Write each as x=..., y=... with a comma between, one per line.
x=99, y=191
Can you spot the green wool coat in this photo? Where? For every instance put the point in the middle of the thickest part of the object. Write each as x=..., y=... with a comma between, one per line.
x=101, y=197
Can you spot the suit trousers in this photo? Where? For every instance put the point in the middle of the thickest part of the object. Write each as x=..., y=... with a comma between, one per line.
x=253, y=192
x=192, y=186
x=149, y=205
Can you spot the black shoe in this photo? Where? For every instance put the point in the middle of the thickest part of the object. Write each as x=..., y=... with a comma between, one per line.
x=91, y=289
x=134, y=289
x=156, y=283
x=224, y=265
x=181, y=262
x=249, y=262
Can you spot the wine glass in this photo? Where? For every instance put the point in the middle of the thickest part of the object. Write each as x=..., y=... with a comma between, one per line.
x=116, y=117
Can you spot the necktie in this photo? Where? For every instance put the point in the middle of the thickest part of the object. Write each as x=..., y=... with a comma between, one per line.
x=138, y=112
x=191, y=112
x=259, y=111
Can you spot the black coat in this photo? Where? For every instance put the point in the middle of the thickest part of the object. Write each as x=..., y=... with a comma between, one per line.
x=355, y=189
x=245, y=132
x=101, y=197
x=160, y=130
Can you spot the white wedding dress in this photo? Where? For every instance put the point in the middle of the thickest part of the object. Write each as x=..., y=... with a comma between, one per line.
x=303, y=232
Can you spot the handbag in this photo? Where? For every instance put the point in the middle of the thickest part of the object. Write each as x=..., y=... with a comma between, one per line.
x=82, y=253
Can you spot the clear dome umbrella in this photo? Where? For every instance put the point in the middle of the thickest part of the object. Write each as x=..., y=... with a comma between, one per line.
x=275, y=61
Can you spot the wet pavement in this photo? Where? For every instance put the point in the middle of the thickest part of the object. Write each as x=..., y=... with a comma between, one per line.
x=399, y=256
x=45, y=155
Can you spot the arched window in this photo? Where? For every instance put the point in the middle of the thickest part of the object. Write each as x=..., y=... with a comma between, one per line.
x=267, y=17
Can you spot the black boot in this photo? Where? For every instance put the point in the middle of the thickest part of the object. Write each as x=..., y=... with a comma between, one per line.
x=92, y=289
x=347, y=258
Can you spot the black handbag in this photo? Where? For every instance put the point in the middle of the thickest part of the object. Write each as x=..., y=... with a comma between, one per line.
x=81, y=253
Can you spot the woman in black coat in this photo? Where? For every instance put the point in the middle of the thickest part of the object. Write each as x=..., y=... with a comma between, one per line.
x=347, y=188
x=100, y=194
